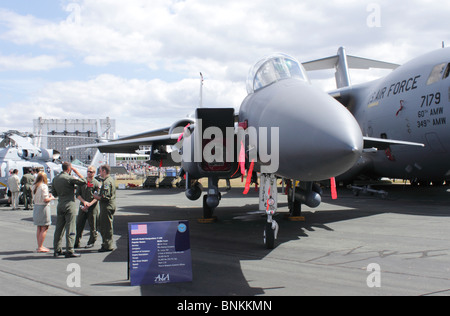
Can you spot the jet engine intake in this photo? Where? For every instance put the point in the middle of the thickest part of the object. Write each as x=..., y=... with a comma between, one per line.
x=178, y=126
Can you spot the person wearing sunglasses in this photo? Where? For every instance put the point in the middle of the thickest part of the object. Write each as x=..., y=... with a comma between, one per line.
x=88, y=208
x=107, y=198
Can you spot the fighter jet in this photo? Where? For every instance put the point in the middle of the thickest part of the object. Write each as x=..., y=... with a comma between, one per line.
x=286, y=128
x=411, y=104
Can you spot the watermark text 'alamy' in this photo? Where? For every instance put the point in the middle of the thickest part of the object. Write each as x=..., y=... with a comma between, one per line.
x=253, y=143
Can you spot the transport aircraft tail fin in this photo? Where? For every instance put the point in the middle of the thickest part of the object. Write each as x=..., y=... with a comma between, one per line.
x=343, y=62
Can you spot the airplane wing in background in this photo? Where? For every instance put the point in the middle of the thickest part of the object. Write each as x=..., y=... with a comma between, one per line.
x=130, y=146
x=382, y=144
x=159, y=132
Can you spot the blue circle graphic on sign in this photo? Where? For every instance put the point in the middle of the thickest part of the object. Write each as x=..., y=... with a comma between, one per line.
x=182, y=228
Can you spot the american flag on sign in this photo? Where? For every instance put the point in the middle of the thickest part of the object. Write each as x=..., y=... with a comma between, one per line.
x=139, y=229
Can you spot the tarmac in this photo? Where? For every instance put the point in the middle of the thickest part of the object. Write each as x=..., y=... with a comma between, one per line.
x=353, y=246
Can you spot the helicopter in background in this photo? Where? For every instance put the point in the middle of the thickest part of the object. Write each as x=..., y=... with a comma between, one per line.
x=17, y=152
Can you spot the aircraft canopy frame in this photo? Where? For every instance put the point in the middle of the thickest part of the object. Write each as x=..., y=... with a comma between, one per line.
x=272, y=69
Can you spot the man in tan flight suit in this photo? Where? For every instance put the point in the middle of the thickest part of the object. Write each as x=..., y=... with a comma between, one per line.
x=107, y=198
x=14, y=188
x=63, y=187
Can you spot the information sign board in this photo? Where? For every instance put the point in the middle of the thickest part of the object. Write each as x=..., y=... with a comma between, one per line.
x=159, y=252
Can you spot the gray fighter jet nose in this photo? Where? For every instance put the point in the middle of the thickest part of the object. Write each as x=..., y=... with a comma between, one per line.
x=318, y=137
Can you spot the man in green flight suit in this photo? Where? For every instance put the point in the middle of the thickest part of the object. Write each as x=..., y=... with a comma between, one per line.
x=63, y=187
x=107, y=198
x=88, y=208
x=27, y=182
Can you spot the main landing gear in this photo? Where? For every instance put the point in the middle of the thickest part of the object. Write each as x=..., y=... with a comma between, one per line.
x=211, y=200
x=307, y=193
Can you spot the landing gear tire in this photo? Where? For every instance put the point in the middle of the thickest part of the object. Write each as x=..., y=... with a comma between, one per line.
x=295, y=207
x=207, y=211
x=270, y=234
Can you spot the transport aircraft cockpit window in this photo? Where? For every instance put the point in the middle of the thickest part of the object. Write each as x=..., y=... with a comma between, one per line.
x=438, y=73
x=447, y=72
x=272, y=69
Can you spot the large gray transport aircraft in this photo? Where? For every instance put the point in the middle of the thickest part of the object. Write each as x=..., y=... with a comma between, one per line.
x=412, y=103
x=286, y=128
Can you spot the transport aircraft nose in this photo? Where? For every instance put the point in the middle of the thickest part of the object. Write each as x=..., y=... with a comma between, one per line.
x=318, y=137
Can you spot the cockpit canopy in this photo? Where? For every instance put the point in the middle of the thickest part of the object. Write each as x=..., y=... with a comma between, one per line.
x=272, y=69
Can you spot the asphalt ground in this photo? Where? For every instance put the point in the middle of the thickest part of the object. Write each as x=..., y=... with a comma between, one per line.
x=404, y=240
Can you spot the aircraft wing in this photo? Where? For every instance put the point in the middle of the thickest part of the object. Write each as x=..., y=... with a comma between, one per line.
x=159, y=132
x=382, y=144
x=129, y=146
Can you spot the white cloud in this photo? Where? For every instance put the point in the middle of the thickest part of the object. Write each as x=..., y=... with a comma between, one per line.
x=148, y=32
x=27, y=63
x=167, y=31
x=175, y=39
x=137, y=105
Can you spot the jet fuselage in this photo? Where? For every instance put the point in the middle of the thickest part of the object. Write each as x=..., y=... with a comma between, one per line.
x=318, y=137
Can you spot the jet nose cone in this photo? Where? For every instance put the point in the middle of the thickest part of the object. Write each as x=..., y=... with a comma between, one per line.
x=320, y=150
x=340, y=149
x=318, y=137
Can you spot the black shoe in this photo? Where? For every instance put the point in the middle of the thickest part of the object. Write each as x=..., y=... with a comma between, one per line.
x=105, y=250
x=72, y=255
x=58, y=253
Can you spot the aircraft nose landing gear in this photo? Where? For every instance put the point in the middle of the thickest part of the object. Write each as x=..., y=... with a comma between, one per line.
x=270, y=234
x=268, y=201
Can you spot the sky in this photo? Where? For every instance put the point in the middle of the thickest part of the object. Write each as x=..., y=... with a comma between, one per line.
x=139, y=61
